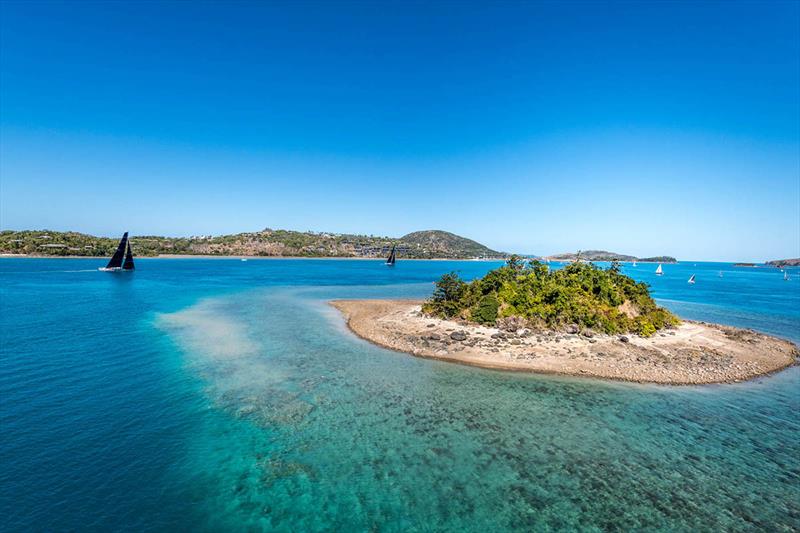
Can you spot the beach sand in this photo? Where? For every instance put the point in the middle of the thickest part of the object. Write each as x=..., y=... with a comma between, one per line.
x=692, y=353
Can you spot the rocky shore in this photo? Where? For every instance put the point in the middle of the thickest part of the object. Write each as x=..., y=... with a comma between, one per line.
x=692, y=353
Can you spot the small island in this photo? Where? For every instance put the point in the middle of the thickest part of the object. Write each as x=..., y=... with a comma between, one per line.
x=581, y=320
x=604, y=256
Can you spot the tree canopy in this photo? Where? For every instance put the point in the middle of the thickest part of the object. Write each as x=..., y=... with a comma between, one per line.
x=580, y=293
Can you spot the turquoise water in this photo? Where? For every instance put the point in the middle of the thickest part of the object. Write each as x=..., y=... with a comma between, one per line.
x=226, y=395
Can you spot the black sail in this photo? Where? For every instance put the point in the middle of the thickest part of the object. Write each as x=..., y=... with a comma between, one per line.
x=116, y=259
x=128, y=264
x=392, y=256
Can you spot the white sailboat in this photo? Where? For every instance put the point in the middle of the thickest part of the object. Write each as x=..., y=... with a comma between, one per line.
x=785, y=276
x=659, y=270
x=691, y=280
x=634, y=262
x=720, y=273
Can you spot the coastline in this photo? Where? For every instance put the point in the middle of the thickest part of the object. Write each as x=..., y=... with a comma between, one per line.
x=694, y=353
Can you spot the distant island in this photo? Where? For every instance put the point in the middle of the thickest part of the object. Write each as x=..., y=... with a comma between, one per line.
x=431, y=244
x=602, y=255
x=780, y=263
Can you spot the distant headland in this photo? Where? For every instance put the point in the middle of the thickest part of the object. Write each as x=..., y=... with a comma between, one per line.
x=431, y=244
x=780, y=263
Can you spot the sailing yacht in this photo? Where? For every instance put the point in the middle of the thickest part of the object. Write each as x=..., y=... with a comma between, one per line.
x=392, y=259
x=659, y=270
x=122, y=258
x=720, y=273
x=785, y=276
x=634, y=262
x=691, y=280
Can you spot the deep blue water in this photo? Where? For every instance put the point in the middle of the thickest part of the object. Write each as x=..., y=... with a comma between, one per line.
x=226, y=395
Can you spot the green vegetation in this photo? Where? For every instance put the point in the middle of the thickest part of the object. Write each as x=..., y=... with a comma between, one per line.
x=272, y=243
x=580, y=293
x=437, y=243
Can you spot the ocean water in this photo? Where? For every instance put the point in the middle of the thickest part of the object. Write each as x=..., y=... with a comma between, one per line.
x=213, y=395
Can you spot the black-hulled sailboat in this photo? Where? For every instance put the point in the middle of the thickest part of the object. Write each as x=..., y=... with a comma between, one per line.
x=122, y=259
x=392, y=259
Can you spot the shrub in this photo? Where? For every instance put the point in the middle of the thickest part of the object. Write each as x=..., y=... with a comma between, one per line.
x=486, y=311
x=445, y=302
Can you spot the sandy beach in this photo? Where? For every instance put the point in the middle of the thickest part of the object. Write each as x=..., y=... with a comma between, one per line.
x=692, y=353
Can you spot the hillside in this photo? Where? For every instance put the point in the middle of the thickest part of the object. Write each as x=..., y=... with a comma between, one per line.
x=602, y=255
x=267, y=243
x=439, y=243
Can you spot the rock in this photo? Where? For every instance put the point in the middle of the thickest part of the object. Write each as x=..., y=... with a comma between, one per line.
x=592, y=341
x=516, y=342
x=434, y=337
x=499, y=336
x=588, y=333
x=458, y=336
x=430, y=325
x=573, y=328
x=511, y=323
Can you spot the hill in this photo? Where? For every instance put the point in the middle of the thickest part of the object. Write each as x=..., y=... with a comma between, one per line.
x=436, y=243
x=602, y=255
x=267, y=243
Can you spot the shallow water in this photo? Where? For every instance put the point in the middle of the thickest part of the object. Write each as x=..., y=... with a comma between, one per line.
x=220, y=394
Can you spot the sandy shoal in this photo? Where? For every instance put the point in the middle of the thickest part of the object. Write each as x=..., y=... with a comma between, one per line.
x=692, y=353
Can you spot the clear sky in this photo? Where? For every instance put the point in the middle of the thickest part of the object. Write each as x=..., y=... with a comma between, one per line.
x=642, y=128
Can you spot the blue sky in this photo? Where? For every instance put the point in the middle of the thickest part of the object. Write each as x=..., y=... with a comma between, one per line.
x=642, y=128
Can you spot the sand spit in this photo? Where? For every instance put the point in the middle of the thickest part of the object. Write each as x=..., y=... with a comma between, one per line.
x=692, y=353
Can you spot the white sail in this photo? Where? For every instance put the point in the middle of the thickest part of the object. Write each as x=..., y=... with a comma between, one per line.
x=659, y=270
x=634, y=262
x=785, y=276
x=691, y=280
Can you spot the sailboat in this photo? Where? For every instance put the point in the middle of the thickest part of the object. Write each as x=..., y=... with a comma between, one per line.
x=392, y=259
x=720, y=273
x=659, y=270
x=634, y=262
x=785, y=276
x=122, y=258
x=691, y=280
